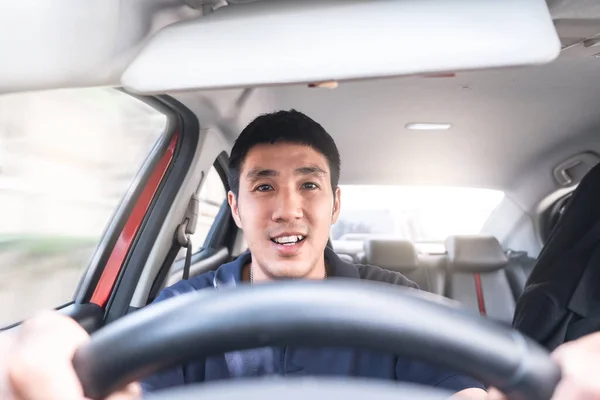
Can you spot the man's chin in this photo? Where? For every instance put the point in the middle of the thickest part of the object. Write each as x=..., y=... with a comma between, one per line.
x=289, y=268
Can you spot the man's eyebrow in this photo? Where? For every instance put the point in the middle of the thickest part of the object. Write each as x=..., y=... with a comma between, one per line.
x=261, y=173
x=264, y=172
x=310, y=170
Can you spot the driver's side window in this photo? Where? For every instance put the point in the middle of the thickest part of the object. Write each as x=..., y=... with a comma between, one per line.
x=67, y=158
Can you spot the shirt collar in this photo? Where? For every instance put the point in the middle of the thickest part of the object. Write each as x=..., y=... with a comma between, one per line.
x=230, y=274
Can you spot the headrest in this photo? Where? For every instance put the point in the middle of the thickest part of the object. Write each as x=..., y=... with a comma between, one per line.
x=395, y=255
x=475, y=253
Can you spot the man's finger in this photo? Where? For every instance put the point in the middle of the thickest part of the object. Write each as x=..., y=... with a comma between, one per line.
x=131, y=392
x=7, y=343
x=39, y=366
x=579, y=365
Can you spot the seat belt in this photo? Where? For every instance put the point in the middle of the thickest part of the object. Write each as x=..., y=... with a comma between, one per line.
x=185, y=230
x=181, y=238
x=479, y=290
x=188, y=258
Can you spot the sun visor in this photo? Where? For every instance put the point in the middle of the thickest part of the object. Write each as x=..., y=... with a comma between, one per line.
x=281, y=42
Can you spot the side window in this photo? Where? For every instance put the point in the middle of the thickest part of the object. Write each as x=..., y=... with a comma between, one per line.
x=67, y=158
x=212, y=195
x=240, y=246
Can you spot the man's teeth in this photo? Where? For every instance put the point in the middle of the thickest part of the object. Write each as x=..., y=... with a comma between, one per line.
x=288, y=240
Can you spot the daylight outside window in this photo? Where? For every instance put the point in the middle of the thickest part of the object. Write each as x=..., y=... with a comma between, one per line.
x=420, y=214
x=67, y=158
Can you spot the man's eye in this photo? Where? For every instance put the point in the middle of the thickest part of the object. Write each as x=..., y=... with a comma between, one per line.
x=263, y=188
x=310, y=186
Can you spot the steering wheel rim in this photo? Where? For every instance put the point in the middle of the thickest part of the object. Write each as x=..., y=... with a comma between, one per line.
x=345, y=313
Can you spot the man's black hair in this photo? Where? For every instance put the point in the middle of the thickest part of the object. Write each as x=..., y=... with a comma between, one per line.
x=283, y=126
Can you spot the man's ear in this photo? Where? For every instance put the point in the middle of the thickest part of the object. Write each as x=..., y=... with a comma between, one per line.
x=336, y=205
x=235, y=211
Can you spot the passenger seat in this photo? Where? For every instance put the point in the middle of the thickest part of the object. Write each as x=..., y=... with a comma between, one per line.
x=478, y=276
x=402, y=256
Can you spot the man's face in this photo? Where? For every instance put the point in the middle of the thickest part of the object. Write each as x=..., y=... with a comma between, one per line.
x=285, y=207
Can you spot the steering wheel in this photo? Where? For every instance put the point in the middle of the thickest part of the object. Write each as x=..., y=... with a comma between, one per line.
x=364, y=314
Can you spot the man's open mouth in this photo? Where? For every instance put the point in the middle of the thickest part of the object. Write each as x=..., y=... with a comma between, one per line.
x=288, y=240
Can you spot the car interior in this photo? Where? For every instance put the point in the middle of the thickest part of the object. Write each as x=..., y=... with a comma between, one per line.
x=517, y=120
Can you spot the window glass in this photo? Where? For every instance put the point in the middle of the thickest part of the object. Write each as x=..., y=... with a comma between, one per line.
x=425, y=215
x=67, y=158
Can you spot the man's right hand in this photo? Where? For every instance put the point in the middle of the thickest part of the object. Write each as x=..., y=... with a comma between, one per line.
x=36, y=361
x=579, y=361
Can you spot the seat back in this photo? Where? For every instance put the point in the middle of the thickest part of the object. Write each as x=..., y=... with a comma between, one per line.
x=402, y=256
x=518, y=270
x=478, y=277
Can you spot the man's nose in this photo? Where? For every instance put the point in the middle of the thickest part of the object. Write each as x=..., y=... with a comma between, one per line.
x=289, y=206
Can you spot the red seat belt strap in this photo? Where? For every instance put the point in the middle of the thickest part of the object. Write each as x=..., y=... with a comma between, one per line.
x=479, y=289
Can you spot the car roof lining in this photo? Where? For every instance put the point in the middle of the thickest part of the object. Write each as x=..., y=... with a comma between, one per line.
x=511, y=127
x=48, y=55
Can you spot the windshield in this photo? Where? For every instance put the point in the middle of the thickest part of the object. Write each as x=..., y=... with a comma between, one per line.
x=417, y=213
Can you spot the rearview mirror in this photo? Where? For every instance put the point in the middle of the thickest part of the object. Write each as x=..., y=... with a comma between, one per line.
x=281, y=42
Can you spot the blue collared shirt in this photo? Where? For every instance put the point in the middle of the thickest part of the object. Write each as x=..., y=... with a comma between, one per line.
x=294, y=361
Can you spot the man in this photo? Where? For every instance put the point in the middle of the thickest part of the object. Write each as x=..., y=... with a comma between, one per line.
x=284, y=172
